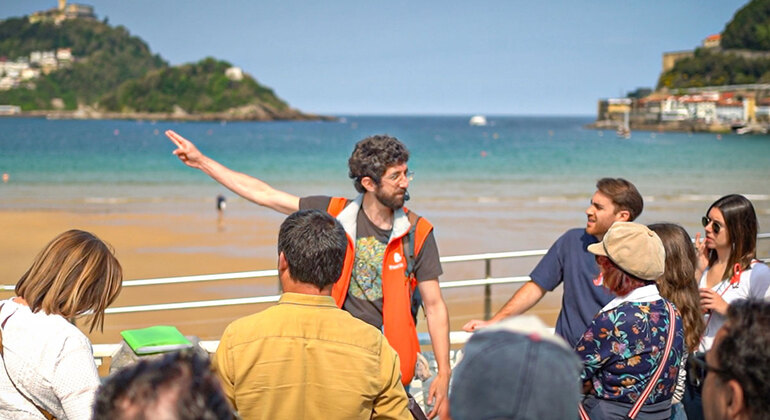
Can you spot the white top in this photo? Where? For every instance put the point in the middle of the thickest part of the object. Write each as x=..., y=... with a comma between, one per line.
x=50, y=360
x=648, y=293
x=754, y=283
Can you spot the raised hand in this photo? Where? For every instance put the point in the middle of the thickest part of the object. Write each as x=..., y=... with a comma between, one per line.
x=703, y=255
x=186, y=151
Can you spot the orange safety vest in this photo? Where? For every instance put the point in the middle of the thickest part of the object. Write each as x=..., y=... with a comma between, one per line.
x=397, y=289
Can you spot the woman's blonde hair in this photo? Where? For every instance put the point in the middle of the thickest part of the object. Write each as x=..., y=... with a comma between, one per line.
x=74, y=274
x=678, y=283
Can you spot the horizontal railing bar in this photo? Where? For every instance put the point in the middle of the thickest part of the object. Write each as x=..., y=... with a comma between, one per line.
x=274, y=273
x=202, y=277
x=483, y=282
x=193, y=305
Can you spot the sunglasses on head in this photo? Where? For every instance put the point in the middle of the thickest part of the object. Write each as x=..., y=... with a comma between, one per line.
x=697, y=369
x=716, y=227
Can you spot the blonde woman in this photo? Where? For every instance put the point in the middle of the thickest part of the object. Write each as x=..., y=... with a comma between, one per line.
x=48, y=366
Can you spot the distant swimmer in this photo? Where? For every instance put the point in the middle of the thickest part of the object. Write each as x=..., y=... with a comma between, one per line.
x=221, y=203
x=6, y=177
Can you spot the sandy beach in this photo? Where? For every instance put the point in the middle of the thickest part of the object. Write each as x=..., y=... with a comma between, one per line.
x=152, y=245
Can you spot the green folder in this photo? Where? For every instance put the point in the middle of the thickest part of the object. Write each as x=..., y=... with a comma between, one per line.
x=157, y=339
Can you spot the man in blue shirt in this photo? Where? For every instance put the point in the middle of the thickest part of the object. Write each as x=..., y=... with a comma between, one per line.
x=568, y=261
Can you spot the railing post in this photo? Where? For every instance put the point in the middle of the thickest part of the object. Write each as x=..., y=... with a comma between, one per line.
x=487, y=289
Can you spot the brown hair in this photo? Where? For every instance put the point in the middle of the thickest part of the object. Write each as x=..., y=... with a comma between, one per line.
x=623, y=194
x=742, y=226
x=677, y=283
x=75, y=273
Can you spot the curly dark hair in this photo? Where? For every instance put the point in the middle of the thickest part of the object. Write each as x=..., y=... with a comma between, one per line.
x=372, y=156
x=744, y=353
x=180, y=381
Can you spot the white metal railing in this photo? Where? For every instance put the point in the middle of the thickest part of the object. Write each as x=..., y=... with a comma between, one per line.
x=456, y=337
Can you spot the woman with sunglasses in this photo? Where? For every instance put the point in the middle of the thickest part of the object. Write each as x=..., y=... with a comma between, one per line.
x=727, y=266
x=727, y=271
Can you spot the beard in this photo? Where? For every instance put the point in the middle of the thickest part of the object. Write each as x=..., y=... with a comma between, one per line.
x=393, y=202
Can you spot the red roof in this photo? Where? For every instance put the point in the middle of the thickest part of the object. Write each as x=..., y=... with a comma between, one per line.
x=714, y=37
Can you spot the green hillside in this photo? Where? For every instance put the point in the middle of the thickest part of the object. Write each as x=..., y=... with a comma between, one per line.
x=749, y=28
x=744, y=56
x=113, y=71
x=107, y=57
x=199, y=87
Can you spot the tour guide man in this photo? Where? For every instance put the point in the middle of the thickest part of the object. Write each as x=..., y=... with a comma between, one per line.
x=377, y=282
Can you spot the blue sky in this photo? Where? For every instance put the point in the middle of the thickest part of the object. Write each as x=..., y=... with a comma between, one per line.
x=554, y=57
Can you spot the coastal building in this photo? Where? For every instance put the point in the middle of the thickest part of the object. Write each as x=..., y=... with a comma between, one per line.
x=730, y=111
x=10, y=110
x=762, y=111
x=712, y=41
x=63, y=12
x=234, y=73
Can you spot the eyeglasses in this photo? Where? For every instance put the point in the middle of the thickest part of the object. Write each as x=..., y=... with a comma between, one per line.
x=396, y=177
x=697, y=369
x=716, y=227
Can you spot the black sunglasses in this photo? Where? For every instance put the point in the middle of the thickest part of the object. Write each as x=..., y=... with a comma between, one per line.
x=697, y=369
x=716, y=227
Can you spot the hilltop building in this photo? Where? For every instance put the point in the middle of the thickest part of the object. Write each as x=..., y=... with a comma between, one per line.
x=63, y=12
x=671, y=58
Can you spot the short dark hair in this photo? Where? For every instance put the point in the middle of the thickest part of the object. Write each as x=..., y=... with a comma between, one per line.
x=179, y=384
x=372, y=156
x=744, y=353
x=623, y=194
x=742, y=226
x=314, y=245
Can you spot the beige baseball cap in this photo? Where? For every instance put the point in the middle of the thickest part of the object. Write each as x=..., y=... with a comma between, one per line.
x=634, y=248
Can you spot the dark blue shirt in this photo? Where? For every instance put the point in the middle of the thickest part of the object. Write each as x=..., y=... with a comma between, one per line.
x=568, y=261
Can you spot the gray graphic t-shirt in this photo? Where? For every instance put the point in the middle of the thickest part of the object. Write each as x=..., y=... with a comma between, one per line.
x=364, y=299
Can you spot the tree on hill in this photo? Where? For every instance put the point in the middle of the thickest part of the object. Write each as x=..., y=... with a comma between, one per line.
x=749, y=28
x=106, y=57
x=196, y=88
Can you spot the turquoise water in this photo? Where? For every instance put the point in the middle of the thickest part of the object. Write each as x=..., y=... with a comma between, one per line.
x=111, y=165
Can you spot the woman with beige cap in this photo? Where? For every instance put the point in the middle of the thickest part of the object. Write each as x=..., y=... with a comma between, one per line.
x=634, y=346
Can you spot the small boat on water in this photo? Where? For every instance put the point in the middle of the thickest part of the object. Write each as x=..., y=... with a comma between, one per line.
x=478, y=120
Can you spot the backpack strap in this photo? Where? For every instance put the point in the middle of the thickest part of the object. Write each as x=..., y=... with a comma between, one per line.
x=336, y=205
x=651, y=385
x=410, y=251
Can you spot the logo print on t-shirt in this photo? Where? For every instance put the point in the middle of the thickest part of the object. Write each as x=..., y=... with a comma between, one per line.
x=397, y=257
x=366, y=280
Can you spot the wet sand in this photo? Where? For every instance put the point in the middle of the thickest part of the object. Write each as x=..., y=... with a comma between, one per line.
x=151, y=245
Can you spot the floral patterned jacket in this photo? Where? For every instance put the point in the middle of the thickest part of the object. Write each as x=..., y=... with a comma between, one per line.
x=623, y=346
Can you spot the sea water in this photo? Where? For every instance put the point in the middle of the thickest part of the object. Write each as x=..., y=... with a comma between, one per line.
x=535, y=174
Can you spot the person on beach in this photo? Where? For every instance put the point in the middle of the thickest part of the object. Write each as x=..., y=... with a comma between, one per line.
x=392, y=255
x=179, y=385
x=735, y=372
x=569, y=262
x=633, y=348
x=727, y=270
x=48, y=364
x=304, y=358
x=678, y=286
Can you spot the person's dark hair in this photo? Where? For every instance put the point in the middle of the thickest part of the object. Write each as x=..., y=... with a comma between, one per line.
x=623, y=194
x=677, y=283
x=744, y=353
x=179, y=385
x=314, y=245
x=372, y=156
x=742, y=226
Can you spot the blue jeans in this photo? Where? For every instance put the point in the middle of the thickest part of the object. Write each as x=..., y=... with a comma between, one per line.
x=677, y=412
